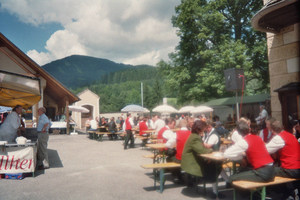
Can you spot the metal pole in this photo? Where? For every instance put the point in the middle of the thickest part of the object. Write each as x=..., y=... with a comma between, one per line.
x=237, y=106
x=142, y=94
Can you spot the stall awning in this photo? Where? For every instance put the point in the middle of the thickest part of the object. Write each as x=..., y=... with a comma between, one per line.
x=232, y=100
x=19, y=89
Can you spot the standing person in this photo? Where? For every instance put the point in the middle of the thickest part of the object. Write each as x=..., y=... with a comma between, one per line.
x=43, y=136
x=296, y=130
x=112, y=127
x=129, y=136
x=263, y=115
x=266, y=134
x=11, y=127
x=262, y=169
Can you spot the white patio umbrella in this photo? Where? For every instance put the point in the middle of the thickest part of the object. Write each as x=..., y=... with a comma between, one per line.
x=165, y=109
x=135, y=108
x=186, y=109
x=78, y=109
x=202, y=109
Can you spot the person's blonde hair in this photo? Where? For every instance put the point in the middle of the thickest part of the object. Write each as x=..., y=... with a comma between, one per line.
x=183, y=123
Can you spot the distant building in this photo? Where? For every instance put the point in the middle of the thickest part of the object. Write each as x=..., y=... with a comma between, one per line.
x=90, y=101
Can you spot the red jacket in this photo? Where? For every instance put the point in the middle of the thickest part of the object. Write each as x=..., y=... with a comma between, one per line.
x=289, y=155
x=257, y=153
x=181, y=138
x=143, y=127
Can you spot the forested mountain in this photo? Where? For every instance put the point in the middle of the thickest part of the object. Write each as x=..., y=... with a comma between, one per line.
x=117, y=84
x=121, y=88
x=76, y=70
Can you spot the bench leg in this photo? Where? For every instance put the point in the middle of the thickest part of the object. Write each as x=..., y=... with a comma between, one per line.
x=234, y=194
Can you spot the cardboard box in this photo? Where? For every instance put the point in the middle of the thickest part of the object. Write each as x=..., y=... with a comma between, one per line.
x=56, y=132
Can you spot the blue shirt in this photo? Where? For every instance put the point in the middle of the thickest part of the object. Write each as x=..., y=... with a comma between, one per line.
x=43, y=119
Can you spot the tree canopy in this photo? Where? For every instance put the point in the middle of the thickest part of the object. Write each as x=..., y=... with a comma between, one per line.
x=215, y=35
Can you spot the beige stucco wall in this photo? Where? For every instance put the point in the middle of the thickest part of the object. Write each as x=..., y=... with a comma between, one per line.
x=284, y=57
x=88, y=98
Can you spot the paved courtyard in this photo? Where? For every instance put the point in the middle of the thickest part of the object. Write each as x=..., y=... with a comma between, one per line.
x=81, y=168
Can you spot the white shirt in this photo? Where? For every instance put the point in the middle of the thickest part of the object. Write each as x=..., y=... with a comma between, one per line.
x=235, y=137
x=261, y=134
x=93, y=124
x=158, y=124
x=170, y=136
x=213, y=139
x=235, y=152
x=9, y=128
x=275, y=144
x=264, y=114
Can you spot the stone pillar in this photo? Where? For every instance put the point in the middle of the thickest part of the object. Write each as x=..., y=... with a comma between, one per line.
x=284, y=56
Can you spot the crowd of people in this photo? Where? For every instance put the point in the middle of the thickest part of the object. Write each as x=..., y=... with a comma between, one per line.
x=262, y=156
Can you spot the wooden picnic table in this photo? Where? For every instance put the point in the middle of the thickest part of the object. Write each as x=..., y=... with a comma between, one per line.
x=225, y=141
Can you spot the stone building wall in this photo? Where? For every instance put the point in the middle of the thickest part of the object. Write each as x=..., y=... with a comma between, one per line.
x=284, y=62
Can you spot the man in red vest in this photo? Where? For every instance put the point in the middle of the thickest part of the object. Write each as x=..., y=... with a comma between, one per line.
x=129, y=125
x=288, y=150
x=262, y=169
x=266, y=134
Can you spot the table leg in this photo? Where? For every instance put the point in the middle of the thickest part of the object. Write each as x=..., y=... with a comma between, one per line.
x=161, y=176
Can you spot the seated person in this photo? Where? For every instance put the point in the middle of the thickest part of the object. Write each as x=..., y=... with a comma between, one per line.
x=229, y=118
x=179, y=140
x=212, y=140
x=266, y=134
x=262, y=169
x=103, y=124
x=143, y=126
x=288, y=150
x=93, y=125
x=235, y=136
x=194, y=164
x=296, y=130
x=112, y=127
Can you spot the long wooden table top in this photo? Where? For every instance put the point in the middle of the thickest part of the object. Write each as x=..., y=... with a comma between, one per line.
x=156, y=146
x=214, y=156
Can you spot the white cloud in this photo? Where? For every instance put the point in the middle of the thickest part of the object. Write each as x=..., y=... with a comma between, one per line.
x=129, y=31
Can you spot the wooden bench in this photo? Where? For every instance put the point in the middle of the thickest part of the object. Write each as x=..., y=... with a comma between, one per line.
x=161, y=167
x=259, y=186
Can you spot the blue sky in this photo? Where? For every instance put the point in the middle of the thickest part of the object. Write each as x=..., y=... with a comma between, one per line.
x=26, y=36
x=125, y=31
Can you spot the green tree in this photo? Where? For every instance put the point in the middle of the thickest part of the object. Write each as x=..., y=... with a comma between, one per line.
x=214, y=36
x=157, y=93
